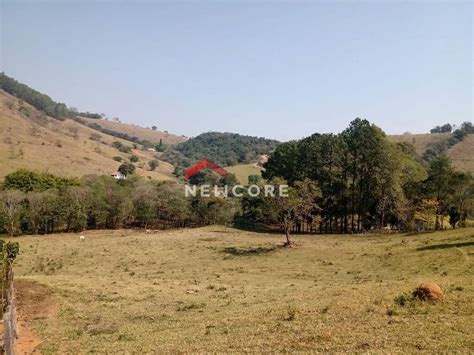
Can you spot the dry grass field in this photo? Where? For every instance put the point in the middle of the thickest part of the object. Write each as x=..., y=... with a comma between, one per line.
x=217, y=289
x=420, y=141
x=462, y=154
x=242, y=172
x=29, y=139
x=140, y=132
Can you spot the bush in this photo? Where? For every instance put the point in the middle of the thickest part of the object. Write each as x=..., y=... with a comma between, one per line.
x=290, y=314
x=153, y=164
x=24, y=110
x=121, y=147
x=134, y=159
x=127, y=169
x=27, y=180
x=119, y=159
x=404, y=299
x=95, y=137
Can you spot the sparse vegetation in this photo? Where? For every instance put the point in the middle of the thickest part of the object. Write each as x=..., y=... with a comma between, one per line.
x=331, y=294
x=123, y=148
x=153, y=164
x=36, y=99
x=95, y=137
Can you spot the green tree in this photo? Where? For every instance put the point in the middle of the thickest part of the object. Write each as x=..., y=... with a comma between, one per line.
x=145, y=204
x=10, y=207
x=27, y=180
x=173, y=209
x=290, y=210
x=43, y=210
x=461, y=196
x=126, y=169
x=440, y=176
x=153, y=164
x=75, y=206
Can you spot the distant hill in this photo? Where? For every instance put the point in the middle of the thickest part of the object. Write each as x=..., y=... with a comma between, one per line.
x=143, y=134
x=420, y=141
x=223, y=148
x=37, y=132
x=461, y=153
x=31, y=139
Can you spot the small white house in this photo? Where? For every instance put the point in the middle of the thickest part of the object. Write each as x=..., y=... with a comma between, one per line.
x=151, y=149
x=118, y=175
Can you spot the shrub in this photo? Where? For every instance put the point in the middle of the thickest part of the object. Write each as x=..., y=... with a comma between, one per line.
x=127, y=169
x=24, y=110
x=153, y=164
x=121, y=147
x=392, y=312
x=119, y=159
x=290, y=314
x=95, y=137
x=134, y=159
x=404, y=299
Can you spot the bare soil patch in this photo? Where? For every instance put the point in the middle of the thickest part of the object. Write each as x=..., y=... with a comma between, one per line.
x=33, y=301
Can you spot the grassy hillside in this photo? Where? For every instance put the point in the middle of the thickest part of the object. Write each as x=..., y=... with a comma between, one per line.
x=420, y=141
x=242, y=172
x=462, y=154
x=139, y=132
x=30, y=139
x=327, y=294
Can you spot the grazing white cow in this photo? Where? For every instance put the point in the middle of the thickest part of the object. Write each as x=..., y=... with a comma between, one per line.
x=82, y=238
x=148, y=231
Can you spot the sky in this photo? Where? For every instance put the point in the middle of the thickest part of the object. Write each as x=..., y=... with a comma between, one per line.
x=281, y=70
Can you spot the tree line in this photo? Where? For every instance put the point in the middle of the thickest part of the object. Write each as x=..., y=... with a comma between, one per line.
x=368, y=183
x=442, y=146
x=38, y=100
x=351, y=182
x=41, y=101
x=30, y=204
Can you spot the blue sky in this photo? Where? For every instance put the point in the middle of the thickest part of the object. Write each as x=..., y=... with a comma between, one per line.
x=275, y=69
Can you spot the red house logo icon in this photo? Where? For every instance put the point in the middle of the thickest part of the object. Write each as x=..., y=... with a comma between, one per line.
x=205, y=164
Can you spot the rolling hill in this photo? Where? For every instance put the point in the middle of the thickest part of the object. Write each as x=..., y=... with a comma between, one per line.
x=31, y=139
x=461, y=154
x=226, y=149
x=143, y=134
x=420, y=141
x=40, y=134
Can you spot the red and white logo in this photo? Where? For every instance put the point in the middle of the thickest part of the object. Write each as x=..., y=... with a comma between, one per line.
x=205, y=164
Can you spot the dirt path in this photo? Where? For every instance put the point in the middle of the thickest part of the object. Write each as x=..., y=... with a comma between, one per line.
x=33, y=301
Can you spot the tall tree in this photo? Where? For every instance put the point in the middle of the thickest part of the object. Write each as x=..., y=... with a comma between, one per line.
x=440, y=175
x=10, y=207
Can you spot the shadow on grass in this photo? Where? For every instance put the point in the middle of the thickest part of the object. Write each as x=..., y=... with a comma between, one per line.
x=257, y=228
x=446, y=246
x=411, y=234
x=248, y=251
